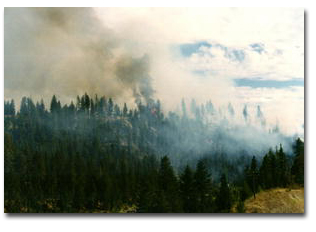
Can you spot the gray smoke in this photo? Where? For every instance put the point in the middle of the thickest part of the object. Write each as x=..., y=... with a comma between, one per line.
x=217, y=133
x=245, y=113
x=68, y=51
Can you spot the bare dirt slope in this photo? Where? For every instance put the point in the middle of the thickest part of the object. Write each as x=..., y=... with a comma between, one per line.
x=277, y=201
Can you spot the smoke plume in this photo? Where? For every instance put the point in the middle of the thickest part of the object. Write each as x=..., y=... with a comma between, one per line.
x=68, y=51
x=129, y=55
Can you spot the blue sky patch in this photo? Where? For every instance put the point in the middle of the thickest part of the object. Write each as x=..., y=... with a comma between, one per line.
x=189, y=48
x=259, y=83
x=236, y=55
x=257, y=47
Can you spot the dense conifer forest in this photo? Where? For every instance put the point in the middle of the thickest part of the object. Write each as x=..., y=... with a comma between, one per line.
x=95, y=156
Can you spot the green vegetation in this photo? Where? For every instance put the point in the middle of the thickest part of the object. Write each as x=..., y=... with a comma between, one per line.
x=94, y=157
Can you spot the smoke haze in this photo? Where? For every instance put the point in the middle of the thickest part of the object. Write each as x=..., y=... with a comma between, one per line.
x=67, y=51
x=132, y=55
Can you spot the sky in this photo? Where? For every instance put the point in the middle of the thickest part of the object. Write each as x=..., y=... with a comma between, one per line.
x=252, y=56
x=245, y=56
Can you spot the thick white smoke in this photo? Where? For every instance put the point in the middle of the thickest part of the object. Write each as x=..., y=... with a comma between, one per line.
x=129, y=54
x=68, y=51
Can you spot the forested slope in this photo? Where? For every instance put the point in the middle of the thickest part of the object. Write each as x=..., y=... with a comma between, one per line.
x=93, y=156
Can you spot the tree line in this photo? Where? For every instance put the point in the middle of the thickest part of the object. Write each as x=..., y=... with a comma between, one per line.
x=93, y=156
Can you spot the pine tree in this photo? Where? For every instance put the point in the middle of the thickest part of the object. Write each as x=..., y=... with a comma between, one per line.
x=168, y=186
x=253, y=176
x=86, y=103
x=54, y=105
x=11, y=181
x=184, y=109
x=223, y=199
x=281, y=168
x=187, y=190
x=12, y=107
x=110, y=107
x=92, y=107
x=125, y=110
x=202, y=186
x=264, y=174
x=23, y=107
x=297, y=169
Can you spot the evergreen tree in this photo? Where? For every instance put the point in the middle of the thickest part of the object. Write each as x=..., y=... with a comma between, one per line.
x=86, y=102
x=54, y=105
x=168, y=186
x=223, y=199
x=184, y=109
x=12, y=107
x=253, y=176
x=125, y=110
x=282, y=179
x=23, y=107
x=202, y=186
x=297, y=169
x=264, y=175
x=187, y=190
x=79, y=159
x=110, y=107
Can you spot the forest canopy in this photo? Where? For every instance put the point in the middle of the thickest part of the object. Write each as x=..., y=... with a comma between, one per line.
x=95, y=156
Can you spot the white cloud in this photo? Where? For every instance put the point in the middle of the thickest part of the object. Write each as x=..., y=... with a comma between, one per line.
x=155, y=30
x=279, y=30
x=272, y=63
x=232, y=26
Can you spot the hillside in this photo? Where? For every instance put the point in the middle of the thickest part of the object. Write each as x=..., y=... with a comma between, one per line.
x=94, y=156
x=278, y=200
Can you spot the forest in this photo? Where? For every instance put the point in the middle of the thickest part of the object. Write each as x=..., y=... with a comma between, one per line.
x=94, y=156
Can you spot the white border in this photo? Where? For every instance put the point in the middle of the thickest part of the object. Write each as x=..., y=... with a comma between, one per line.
x=153, y=223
